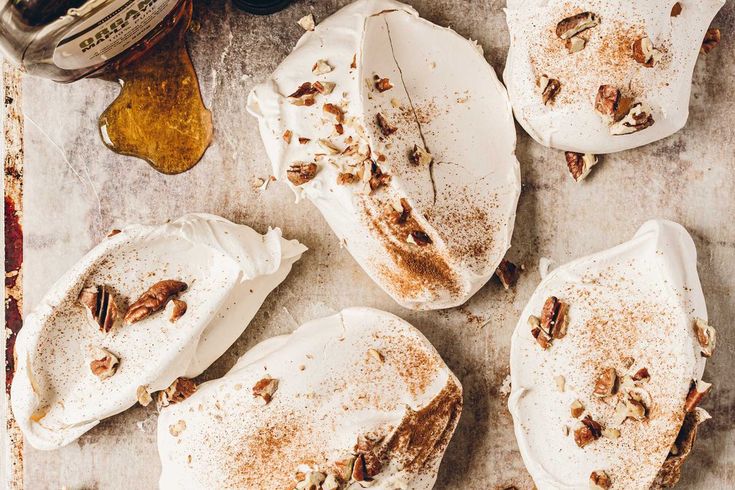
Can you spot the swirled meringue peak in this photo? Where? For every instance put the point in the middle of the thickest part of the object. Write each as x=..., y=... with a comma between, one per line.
x=402, y=136
x=607, y=362
x=353, y=400
x=146, y=306
x=601, y=76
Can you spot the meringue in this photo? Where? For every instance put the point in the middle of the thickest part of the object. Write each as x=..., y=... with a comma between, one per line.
x=631, y=319
x=603, y=54
x=402, y=136
x=362, y=385
x=229, y=270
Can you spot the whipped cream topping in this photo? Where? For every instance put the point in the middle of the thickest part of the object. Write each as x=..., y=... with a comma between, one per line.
x=360, y=374
x=229, y=269
x=378, y=57
x=570, y=122
x=637, y=300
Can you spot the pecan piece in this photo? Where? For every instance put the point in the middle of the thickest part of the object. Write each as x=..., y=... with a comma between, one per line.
x=711, y=40
x=418, y=237
x=589, y=431
x=385, y=126
x=697, y=392
x=321, y=67
x=287, y=136
x=300, y=173
x=508, y=273
x=334, y=111
x=676, y=9
x=607, y=101
x=576, y=409
x=177, y=392
x=101, y=307
x=606, y=383
x=542, y=337
x=580, y=164
x=143, y=396
x=636, y=119
x=571, y=26
x=324, y=88
x=419, y=156
x=554, y=317
x=304, y=95
x=644, y=52
x=636, y=403
x=178, y=310
x=706, y=336
x=599, y=481
x=405, y=213
x=154, y=299
x=641, y=375
x=550, y=87
x=104, y=363
x=344, y=178
x=382, y=84
x=575, y=44
x=264, y=389
x=377, y=177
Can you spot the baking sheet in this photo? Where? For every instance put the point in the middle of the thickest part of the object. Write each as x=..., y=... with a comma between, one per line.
x=75, y=191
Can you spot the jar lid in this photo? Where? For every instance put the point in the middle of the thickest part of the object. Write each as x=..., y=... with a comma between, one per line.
x=261, y=7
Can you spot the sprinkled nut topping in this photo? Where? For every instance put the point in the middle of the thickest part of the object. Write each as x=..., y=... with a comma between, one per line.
x=711, y=40
x=104, y=363
x=307, y=22
x=580, y=164
x=550, y=87
x=287, y=136
x=641, y=375
x=420, y=238
x=542, y=337
x=636, y=119
x=571, y=26
x=644, y=52
x=344, y=178
x=178, y=310
x=101, y=307
x=508, y=273
x=419, y=156
x=304, y=95
x=575, y=44
x=589, y=431
x=300, y=173
x=382, y=84
x=153, y=300
x=321, y=67
x=676, y=9
x=697, y=392
x=377, y=177
x=143, y=396
x=599, y=481
x=405, y=212
x=706, y=336
x=606, y=383
x=324, y=88
x=607, y=101
x=560, y=383
x=335, y=111
x=177, y=392
x=555, y=317
x=264, y=389
x=576, y=409
x=385, y=126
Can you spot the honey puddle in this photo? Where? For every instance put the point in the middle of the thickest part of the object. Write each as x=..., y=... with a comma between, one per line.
x=159, y=115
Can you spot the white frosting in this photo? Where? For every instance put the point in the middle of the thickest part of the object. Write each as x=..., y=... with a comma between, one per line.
x=229, y=268
x=331, y=390
x=638, y=299
x=446, y=98
x=571, y=123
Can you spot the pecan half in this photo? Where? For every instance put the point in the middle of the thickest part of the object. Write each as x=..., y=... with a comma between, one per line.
x=385, y=126
x=304, y=95
x=382, y=84
x=606, y=383
x=580, y=164
x=419, y=156
x=554, y=317
x=550, y=87
x=589, y=431
x=706, y=336
x=676, y=9
x=636, y=119
x=300, y=173
x=104, y=363
x=542, y=338
x=571, y=26
x=154, y=299
x=711, y=40
x=101, y=306
x=644, y=52
x=264, y=389
x=600, y=481
x=697, y=392
x=508, y=273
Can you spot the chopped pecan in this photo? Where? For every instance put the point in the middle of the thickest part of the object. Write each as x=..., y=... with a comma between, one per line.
x=589, y=431
x=113, y=232
x=542, y=337
x=265, y=388
x=321, y=67
x=385, y=126
x=419, y=156
x=304, y=95
x=550, y=87
x=101, y=306
x=697, y=392
x=307, y=22
x=420, y=238
x=287, y=136
x=334, y=111
x=508, y=273
x=580, y=164
x=324, y=88
x=366, y=466
x=344, y=178
x=641, y=375
x=554, y=317
x=606, y=383
x=178, y=310
x=405, y=213
x=104, y=363
x=177, y=392
x=300, y=173
x=143, y=396
x=706, y=336
x=644, y=52
x=600, y=481
x=303, y=141
x=636, y=119
x=635, y=402
x=611, y=433
x=329, y=147
x=382, y=84
x=377, y=177
x=711, y=40
x=676, y=9
x=571, y=26
x=576, y=409
x=154, y=299
x=575, y=44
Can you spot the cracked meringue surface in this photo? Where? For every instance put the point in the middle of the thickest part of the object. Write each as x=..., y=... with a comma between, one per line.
x=632, y=308
x=405, y=145
x=229, y=270
x=603, y=55
x=362, y=385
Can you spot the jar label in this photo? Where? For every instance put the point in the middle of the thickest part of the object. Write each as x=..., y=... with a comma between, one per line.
x=109, y=32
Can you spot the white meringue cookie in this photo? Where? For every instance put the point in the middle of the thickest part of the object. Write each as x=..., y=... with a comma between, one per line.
x=361, y=374
x=229, y=269
x=638, y=300
x=571, y=123
x=444, y=98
